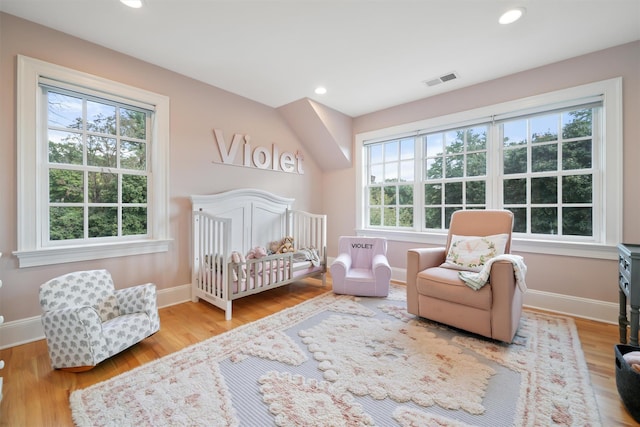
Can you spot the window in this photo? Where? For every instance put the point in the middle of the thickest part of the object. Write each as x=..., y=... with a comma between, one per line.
x=97, y=168
x=455, y=173
x=543, y=158
x=548, y=172
x=93, y=165
x=391, y=167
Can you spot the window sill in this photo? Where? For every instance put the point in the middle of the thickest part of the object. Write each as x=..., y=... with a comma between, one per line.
x=66, y=254
x=547, y=247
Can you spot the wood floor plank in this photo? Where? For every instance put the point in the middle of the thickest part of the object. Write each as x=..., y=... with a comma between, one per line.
x=36, y=395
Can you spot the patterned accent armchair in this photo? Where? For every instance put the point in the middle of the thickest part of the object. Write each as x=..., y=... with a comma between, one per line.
x=86, y=320
x=361, y=267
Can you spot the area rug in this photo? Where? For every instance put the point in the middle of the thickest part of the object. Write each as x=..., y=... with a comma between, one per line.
x=348, y=361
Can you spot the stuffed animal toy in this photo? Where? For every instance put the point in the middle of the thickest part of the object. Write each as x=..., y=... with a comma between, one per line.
x=257, y=253
x=273, y=247
x=286, y=245
x=237, y=257
x=240, y=267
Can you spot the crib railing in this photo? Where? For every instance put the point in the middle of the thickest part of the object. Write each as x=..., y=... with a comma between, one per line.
x=258, y=274
x=211, y=237
x=310, y=231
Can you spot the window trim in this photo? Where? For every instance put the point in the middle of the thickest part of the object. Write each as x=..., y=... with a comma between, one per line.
x=609, y=176
x=31, y=251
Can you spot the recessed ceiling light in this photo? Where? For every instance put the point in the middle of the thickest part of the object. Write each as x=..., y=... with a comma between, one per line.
x=136, y=4
x=511, y=15
x=321, y=90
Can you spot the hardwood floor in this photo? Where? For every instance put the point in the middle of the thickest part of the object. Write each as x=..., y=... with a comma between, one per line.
x=597, y=341
x=36, y=395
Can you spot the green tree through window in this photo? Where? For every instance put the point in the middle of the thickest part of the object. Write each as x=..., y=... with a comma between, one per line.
x=390, y=191
x=97, y=157
x=551, y=155
x=455, y=176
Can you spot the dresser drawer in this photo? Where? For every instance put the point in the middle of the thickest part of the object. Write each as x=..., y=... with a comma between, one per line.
x=623, y=282
x=624, y=266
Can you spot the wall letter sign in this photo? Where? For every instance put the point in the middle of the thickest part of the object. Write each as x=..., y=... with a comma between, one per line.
x=258, y=157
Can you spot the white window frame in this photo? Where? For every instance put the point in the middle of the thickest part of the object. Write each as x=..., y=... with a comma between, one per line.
x=32, y=250
x=609, y=178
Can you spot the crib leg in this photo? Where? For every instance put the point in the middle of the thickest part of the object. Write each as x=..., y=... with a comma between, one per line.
x=227, y=311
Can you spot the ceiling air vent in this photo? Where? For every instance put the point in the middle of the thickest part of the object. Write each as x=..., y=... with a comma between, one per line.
x=441, y=79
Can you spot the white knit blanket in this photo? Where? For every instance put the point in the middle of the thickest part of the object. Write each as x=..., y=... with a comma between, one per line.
x=307, y=254
x=477, y=280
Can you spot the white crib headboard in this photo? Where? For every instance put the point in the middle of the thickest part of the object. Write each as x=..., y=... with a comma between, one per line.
x=257, y=216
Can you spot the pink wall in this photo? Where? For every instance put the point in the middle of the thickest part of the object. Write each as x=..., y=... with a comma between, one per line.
x=581, y=277
x=196, y=109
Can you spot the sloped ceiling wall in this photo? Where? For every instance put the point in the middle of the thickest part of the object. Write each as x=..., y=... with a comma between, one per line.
x=325, y=133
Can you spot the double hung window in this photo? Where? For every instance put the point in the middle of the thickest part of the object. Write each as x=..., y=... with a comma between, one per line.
x=552, y=164
x=97, y=165
x=93, y=158
x=390, y=189
x=548, y=172
x=455, y=173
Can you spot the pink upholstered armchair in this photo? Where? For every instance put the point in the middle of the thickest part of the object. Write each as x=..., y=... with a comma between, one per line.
x=361, y=267
x=437, y=293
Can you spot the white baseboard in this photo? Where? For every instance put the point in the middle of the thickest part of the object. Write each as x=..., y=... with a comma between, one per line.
x=399, y=274
x=27, y=330
x=175, y=295
x=21, y=331
x=586, y=308
x=30, y=329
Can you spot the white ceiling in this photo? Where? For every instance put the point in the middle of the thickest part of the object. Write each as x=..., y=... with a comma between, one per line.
x=369, y=54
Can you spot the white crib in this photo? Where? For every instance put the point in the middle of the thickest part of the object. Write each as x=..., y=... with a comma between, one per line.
x=239, y=220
